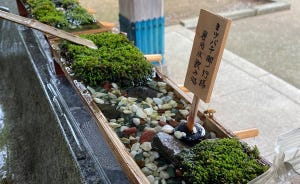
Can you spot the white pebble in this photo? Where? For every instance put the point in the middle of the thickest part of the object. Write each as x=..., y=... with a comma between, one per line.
x=114, y=125
x=184, y=112
x=168, y=129
x=148, y=111
x=136, y=121
x=154, y=123
x=146, y=154
x=140, y=113
x=179, y=135
x=135, y=146
x=151, y=166
x=123, y=128
x=162, y=168
x=146, y=171
x=151, y=179
x=158, y=101
x=164, y=175
x=163, y=181
x=98, y=100
x=146, y=146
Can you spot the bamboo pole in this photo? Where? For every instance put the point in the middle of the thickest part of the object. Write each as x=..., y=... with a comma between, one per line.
x=34, y=24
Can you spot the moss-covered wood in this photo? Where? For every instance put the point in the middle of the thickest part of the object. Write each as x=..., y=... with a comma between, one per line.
x=64, y=14
x=221, y=161
x=115, y=60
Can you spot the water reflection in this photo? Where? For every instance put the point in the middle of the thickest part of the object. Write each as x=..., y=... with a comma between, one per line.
x=3, y=147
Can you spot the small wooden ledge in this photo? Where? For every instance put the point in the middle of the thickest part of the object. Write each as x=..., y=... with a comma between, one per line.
x=153, y=57
x=248, y=133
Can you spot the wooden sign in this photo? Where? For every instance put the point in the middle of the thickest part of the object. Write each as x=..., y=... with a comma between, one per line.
x=208, y=47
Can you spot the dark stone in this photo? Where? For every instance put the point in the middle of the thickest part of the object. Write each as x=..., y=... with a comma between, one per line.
x=168, y=146
x=142, y=92
x=147, y=136
x=109, y=111
x=191, y=138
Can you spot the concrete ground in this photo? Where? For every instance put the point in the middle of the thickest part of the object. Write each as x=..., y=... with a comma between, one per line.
x=270, y=41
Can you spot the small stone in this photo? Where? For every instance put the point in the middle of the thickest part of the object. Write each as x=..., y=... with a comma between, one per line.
x=156, y=174
x=166, y=99
x=99, y=95
x=166, y=106
x=113, y=120
x=135, y=146
x=130, y=131
x=123, y=128
x=179, y=134
x=120, y=120
x=130, y=99
x=136, y=152
x=146, y=171
x=151, y=166
x=151, y=179
x=158, y=101
x=148, y=111
x=92, y=90
x=184, y=112
x=146, y=146
x=154, y=154
x=127, y=111
x=133, y=140
x=125, y=140
x=149, y=100
x=136, y=121
x=140, y=113
x=98, y=100
x=162, y=123
x=162, y=84
x=158, y=129
x=146, y=154
x=147, y=136
x=163, y=181
x=178, y=172
x=114, y=85
x=163, y=119
x=114, y=125
x=154, y=123
x=173, y=123
x=168, y=129
x=164, y=175
x=162, y=168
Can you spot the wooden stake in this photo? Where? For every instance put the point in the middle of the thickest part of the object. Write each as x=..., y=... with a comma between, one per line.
x=193, y=113
x=46, y=29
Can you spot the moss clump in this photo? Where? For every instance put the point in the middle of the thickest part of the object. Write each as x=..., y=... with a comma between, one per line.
x=221, y=161
x=64, y=14
x=115, y=60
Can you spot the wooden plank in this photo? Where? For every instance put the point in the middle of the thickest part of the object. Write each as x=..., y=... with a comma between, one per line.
x=248, y=133
x=34, y=24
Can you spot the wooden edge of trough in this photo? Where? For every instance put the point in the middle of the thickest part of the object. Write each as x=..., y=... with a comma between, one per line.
x=131, y=169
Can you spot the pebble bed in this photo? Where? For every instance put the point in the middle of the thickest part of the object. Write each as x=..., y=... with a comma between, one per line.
x=140, y=119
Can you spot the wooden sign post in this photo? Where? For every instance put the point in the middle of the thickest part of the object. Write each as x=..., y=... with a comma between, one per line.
x=209, y=42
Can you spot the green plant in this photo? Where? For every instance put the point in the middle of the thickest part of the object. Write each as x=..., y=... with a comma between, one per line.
x=64, y=14
x=115, y=60
x=221, y=161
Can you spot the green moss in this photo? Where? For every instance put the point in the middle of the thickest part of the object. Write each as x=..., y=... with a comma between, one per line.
x=221, y=161
x=115, y=60
x=70, y=15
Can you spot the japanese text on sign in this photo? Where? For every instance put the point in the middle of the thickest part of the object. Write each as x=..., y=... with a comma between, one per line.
x=206, y=54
